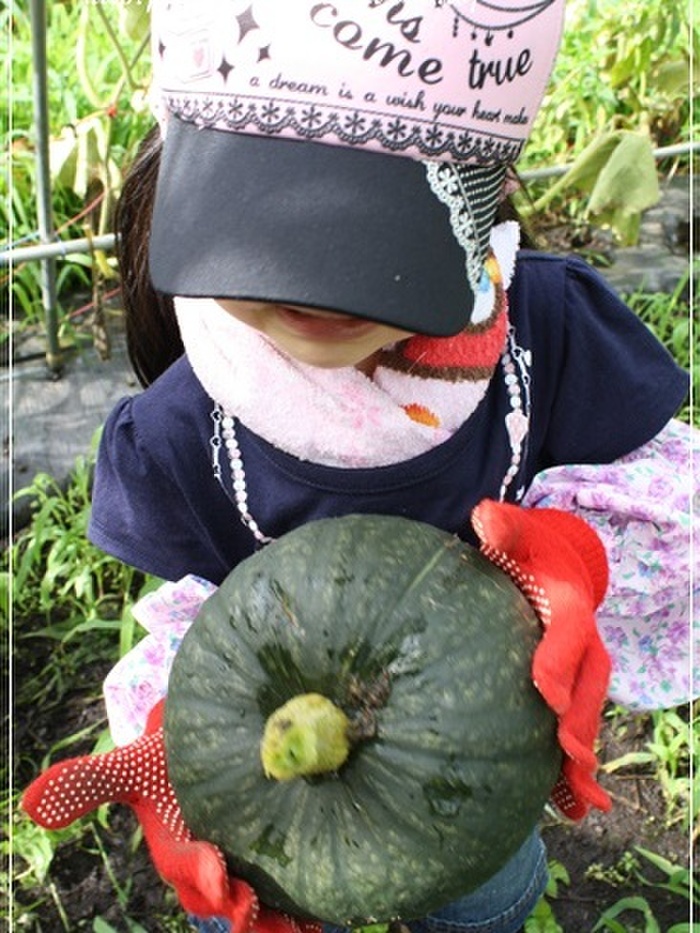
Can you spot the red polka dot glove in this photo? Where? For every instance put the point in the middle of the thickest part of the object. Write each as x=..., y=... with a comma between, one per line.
x=136, y=775
x=559, y=563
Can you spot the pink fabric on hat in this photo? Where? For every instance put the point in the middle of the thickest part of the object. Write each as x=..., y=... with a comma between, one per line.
x=458, y=80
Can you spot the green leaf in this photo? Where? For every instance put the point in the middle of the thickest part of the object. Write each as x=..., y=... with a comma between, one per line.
x=608, y=918
x=542, y=919
x=4, y=595
x=625, y=225
x=624, y=761
x=135, y=927
x=134, y=19
x=557, y=874
x=101, y=926
x=672, y=78
x=36, y=846
x=585, y=169
x=23, y=296
x=93, y=625
x=87, y=158
x=63, y=156
x=679, y=878
x=103, y=743
x=628, y=179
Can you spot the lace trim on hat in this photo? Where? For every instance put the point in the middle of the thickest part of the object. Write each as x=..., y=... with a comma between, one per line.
x=471, y=195
x=250, y=113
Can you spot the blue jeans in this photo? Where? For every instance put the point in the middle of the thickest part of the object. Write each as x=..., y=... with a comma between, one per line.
x=500, y=906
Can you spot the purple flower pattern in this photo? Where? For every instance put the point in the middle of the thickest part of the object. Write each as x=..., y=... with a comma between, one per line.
x=140, y=678
x=642, y=506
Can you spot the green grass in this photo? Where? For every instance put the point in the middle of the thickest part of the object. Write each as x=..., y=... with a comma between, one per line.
x=666, y=756
x=675, y=879
x=70, y=621
x=630, y=914
x=59, y=576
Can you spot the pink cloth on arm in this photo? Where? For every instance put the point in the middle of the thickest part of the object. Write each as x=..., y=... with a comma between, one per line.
x=140, y=678
x=644, y=509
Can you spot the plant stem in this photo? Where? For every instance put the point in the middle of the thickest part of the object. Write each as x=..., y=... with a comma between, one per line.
x=307, y=735
x=126, y=67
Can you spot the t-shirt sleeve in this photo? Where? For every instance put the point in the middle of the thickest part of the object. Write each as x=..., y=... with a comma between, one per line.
x=139, y=515
x=612, y=384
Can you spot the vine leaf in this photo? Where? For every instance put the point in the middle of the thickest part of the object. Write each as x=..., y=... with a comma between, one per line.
x=618, y=172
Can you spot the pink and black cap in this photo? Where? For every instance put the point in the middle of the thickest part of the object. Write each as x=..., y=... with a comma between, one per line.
x=346, y=155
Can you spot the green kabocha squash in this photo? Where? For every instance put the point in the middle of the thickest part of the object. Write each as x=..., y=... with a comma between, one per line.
x=351, y=719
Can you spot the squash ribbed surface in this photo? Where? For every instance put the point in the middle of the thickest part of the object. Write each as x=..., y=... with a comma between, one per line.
x=429, y=646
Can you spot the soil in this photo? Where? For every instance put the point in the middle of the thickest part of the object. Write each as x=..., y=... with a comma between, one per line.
x=597, y=851
x=103, y=874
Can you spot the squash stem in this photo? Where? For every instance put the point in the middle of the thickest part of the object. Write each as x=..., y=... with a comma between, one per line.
x=308, y=735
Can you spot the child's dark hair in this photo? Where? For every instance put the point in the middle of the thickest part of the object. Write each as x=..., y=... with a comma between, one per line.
x=152, y=334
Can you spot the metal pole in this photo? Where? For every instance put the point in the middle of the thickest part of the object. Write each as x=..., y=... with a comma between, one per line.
x=43, y=181
x=58, y=249
x=664, y=152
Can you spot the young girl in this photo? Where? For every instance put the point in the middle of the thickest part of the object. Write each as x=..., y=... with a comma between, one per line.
x=329, y=321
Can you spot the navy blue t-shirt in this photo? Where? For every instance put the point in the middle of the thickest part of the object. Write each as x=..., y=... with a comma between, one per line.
x=592, y=379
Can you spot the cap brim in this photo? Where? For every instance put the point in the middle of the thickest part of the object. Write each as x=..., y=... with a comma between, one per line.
x=283, y=221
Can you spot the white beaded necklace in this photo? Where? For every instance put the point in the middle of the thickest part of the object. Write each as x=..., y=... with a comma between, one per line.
x=515, y=365
x=225, y=433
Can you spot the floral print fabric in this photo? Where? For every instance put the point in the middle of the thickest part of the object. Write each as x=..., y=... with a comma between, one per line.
x=644, y=507
x=140, y=679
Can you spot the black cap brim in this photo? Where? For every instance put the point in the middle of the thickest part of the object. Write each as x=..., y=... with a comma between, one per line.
x=303, y=223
